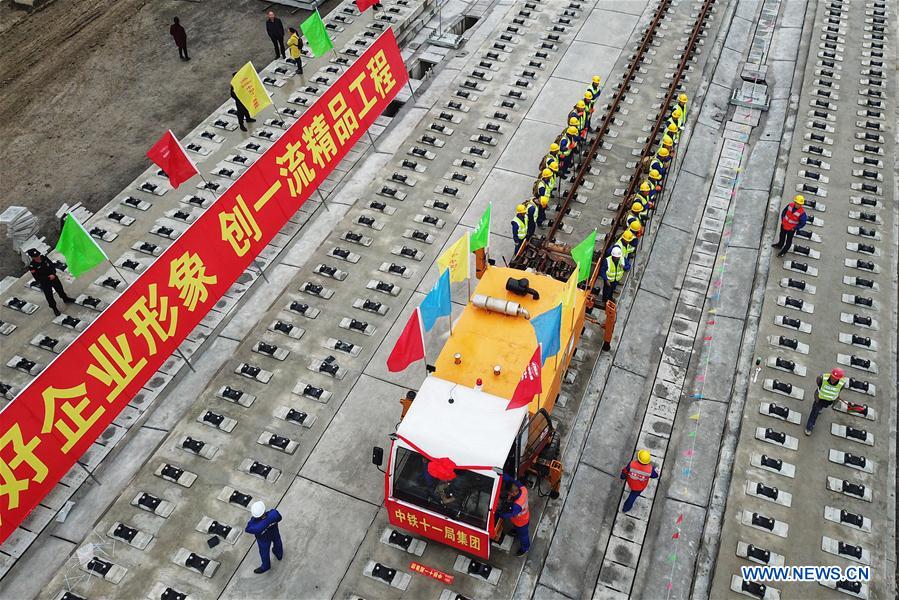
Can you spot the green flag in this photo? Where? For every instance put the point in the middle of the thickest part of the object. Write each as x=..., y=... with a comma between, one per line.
x=81, y=251
x=583, y=256
x=316, y=34
x=481, y=236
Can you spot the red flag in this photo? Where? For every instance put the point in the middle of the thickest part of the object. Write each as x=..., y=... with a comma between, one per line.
x=530, y=383
x=362, y=5
x=169, y=156
x=410, y=346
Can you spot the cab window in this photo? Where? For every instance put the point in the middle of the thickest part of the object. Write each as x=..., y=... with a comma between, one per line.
x=465, y=499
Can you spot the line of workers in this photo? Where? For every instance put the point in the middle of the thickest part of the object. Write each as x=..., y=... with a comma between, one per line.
x=566, y=153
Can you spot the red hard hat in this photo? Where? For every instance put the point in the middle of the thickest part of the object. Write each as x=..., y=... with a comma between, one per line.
x=837, y=373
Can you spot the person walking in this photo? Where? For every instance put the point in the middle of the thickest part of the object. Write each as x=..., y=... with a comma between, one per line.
x=242, y=113
x=180, y=36
x=516, y=511
x=44, y=272
x=829, y=386
x=295, y=48
x=264, y=525
x=792, y=219
x=637, y=475
x=275, y=30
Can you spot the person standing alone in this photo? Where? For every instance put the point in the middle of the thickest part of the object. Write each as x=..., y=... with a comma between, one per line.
x=829, y=386
x=792, y=219
x=295, y=47
x=44, y=273
x=264, y=525
x=275, y=29
x=180, y=36
x=637, y=475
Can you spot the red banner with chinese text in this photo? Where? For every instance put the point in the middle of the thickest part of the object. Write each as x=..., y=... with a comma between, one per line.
x=466, y=539
x=54, y=420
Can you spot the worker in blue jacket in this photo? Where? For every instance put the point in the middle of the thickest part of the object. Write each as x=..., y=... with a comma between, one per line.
x=517, y=512
x=264, y=525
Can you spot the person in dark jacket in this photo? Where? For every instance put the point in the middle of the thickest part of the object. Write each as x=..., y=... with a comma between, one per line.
x=44, y=272
x=242, y=113
x=264, y=525
x=180, y=36
x=275, y=30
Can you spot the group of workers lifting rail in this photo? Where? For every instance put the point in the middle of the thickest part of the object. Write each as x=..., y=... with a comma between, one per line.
x=566, y=153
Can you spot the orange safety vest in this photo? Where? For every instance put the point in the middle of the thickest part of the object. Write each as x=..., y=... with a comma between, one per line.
x=522, y=518
x=792, y=217
x=638, y=475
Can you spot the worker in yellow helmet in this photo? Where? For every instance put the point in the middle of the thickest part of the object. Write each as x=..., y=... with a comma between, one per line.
x=641, y=196
x=667, y=142
x=636, y=228
x=636, y=214
x=655, y=184
x=551, y=156
x=540, y=203
x=792, y=219
x=567, y=144
x=628, y=244
x=660, y=161
x=589, y=101
x=637, y=475
x=581, y=110
x=672, y=131
x=544, y=185
x=519, y=226
x=682, y=104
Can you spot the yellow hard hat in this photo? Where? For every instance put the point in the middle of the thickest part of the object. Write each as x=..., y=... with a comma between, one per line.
x=645, y=187
x=580, y=104
x=799, y=199
x=553, y=147
x=672, y=127
x=544, y=201
x=574, y=122
x=635, y=226
x=627, y=236
x=667, y=141
x=654, y=174
x=676, y=113
x=663, y=152
x=637, y=208
x=571, y=131
x=643, y=457
x=682, y=98
x=588, y=95
x=553, y=165
x=520, y=209
x=546, y=173
x=596, y=79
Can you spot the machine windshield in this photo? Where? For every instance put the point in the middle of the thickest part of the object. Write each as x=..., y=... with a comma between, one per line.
x=465, y=499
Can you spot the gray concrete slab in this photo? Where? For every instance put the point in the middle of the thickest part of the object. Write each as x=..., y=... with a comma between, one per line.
x=690, y=464
x=25, y=579
x=738, y=35
x=609, y=28
x=715, y=379
x=611, y=439
x=528, y=146
x=772, y=128
x=793, y=13
x=698, y=163
x=780, y=78
x=738, y=274
x=642, y=339
x=583, y=60
x=785, y=45
x=340, y=458
x=261, y=299
x=746, y=9
x=758, y=172
x=544, y=593
x=729, y=62
x=574, y=557
x=749, y=210
x=546, y=106
x=663, y=272
x=684, y=203
x=716, y=106
x=632, y=7
x=317, y=548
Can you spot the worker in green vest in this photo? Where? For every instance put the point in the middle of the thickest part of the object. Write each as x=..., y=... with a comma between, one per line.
x=829, y=386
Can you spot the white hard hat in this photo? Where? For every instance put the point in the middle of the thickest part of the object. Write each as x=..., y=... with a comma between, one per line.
x=257, y=509
x=616, y=252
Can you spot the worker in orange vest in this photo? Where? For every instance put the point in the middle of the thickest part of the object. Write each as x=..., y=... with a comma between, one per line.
x=792, y=219
x=517, y=512
x=637, y=475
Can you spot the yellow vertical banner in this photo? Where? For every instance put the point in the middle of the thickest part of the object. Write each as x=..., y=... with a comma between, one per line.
x=249, y=89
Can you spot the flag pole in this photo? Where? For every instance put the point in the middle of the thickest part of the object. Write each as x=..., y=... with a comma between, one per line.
x=184, y=358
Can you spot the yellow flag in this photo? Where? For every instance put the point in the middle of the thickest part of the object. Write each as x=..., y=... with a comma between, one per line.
x=456, y=260
x=249, y=89
x=568, y=290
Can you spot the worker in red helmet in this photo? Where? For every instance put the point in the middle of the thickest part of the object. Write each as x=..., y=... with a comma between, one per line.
x=829, y=386
x=516, y=512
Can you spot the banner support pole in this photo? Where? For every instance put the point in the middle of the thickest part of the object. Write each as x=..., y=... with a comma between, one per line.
x=184, y=358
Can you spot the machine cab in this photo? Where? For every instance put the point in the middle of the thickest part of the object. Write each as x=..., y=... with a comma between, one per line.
x=444, y=471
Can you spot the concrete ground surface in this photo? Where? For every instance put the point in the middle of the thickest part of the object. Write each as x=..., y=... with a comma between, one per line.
x=675, y=381
x=87, y=86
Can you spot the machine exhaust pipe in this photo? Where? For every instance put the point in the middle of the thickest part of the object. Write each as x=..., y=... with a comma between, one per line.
x=498, y=305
